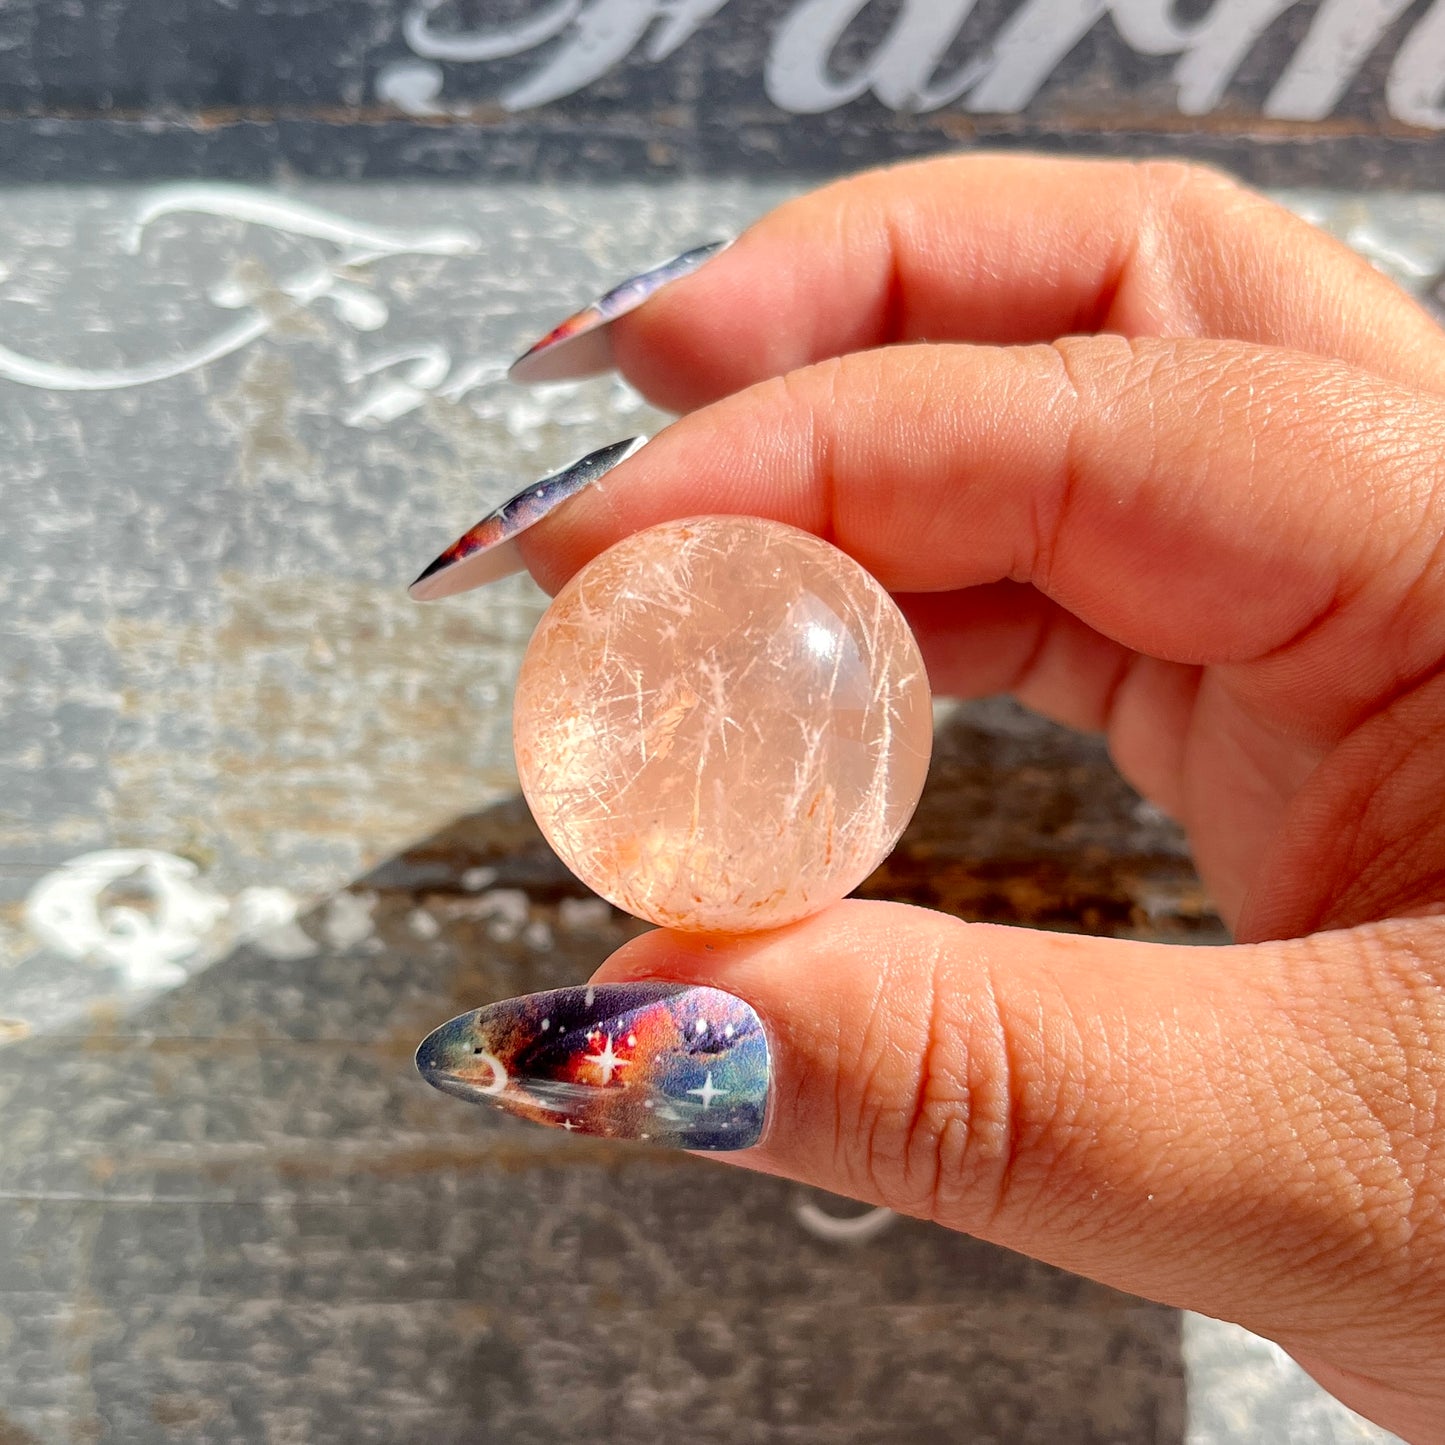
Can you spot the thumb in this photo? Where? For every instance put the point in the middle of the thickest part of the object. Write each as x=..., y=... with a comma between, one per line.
x=1252, y=1132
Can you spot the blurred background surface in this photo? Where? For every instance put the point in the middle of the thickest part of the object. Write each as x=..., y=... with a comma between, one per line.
x=261, y=269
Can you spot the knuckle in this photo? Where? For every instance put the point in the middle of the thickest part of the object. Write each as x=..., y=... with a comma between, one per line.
x=942, y=1139
x=1171, y=178
x=1177, y=189
x=805, y=397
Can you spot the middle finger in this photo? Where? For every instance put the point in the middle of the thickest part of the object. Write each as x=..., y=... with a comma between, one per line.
x=1009, y=251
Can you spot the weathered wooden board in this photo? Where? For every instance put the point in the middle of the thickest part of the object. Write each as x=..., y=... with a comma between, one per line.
x=1342, y=91
x=229, y=1212
x=237, y=1215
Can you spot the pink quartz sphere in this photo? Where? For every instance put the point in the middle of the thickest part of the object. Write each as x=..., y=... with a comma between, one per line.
x=723, y=724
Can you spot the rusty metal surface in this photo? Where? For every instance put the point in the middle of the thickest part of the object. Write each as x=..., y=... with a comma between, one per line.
x=228, y=1210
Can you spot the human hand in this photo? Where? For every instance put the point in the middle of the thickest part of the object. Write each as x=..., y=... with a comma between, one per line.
x=1145, y=450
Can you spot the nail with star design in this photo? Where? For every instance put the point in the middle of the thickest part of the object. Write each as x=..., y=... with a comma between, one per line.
x=580, y=346
x=489, y=550
x=679, y=1066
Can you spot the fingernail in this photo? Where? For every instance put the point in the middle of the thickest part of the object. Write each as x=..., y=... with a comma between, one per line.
x=580, y=347
x=686, y=1068
x=489, y=550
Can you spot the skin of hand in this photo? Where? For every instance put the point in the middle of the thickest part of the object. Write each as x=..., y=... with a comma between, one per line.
x=1157, y=457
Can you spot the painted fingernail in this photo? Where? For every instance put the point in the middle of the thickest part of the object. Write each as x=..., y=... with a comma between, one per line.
x=686, y=1068
x=489, y=550
x=580, y=347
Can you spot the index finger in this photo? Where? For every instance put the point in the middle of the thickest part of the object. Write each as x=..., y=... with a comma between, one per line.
x=1199, y=502
x=1013, y=250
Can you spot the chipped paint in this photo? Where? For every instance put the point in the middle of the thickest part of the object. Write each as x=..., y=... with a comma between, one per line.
x=132, y=923
x=346, y=922
x=144, y=912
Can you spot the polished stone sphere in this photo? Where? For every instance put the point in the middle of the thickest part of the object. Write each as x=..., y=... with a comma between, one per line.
x=723, y=724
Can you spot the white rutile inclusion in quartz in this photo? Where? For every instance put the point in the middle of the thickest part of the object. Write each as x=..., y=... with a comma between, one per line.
x=723, y=724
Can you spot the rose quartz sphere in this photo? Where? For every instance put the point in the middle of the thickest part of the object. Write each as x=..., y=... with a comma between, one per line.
x=723, y=724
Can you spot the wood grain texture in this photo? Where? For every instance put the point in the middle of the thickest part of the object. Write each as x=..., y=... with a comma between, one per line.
x=230, y=1212
x=1282, y=91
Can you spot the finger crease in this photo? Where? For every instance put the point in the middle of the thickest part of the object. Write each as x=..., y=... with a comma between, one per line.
x=1048, y=527
x=923, y=1141
x=1003, y=1087
x=1043, y=634
x=893, y=311
x=1109, y=704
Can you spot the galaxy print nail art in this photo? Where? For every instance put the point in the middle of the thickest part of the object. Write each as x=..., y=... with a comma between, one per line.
x=686, y=1068
x=489, y=550
x=580, y=347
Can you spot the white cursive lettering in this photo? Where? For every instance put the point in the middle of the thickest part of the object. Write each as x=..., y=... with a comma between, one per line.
x=1029, y=49
x=679, y=20
x=1003, y=77
x=1417, y=78
x=603, y=35
x=1339, y=42
x=356, y=243
x=484, y=44
x=900, y=71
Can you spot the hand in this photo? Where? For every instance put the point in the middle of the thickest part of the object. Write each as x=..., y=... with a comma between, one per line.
x=1143, y=449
